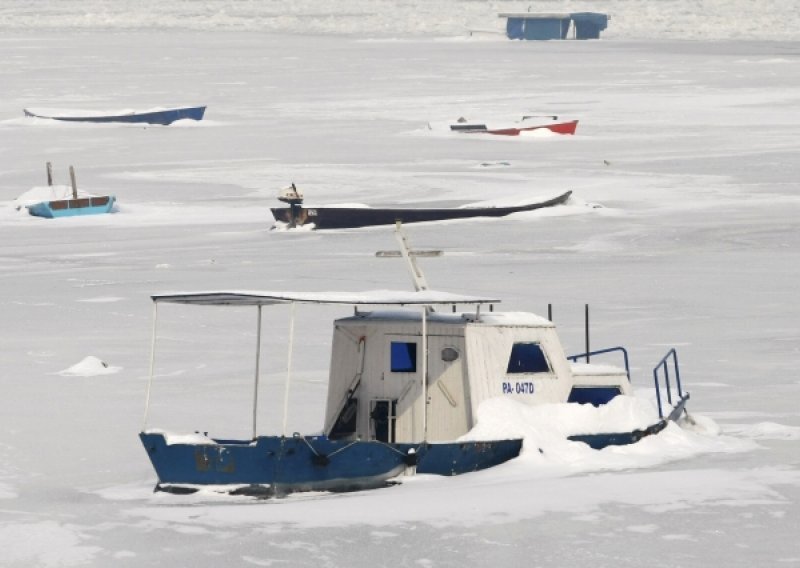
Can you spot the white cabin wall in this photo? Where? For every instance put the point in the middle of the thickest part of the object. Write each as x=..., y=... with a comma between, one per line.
x=478, y=374
x=377, y=381
x=489, y=350
x=449, y=410
x=344, y=367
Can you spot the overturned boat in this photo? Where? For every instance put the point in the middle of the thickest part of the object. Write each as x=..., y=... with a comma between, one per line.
x=333, y=217
x=408, y=372
x=162, y=116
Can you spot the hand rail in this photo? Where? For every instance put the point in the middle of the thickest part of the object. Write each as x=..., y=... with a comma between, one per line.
x=574, y=358
x=664, y=364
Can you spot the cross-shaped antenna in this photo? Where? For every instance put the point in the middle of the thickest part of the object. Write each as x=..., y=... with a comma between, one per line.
x=410, y=256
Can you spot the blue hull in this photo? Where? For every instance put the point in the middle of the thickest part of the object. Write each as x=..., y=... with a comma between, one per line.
x=73, y=207
x=274, y=465
x=163, y=117
x=299, y=463
x=600, y=441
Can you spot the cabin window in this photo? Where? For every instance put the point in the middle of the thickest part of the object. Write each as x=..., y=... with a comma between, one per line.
x=596, y=396
x=527, y=358
x=403, y=357
x=345, y=424
x=449, y=354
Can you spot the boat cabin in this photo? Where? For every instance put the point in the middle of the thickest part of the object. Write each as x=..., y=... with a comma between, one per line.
x=377, y=388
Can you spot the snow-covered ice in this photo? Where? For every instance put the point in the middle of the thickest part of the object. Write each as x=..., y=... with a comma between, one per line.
x=89, y=366
x=682, y=230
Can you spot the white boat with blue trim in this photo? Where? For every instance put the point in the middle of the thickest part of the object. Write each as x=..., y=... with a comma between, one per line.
x=409, y=371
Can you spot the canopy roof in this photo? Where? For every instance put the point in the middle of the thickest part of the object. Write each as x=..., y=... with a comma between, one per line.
x=367, y=298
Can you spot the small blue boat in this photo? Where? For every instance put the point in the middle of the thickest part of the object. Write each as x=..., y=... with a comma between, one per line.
x=66, y=207
x=73, y=207
x=154, y=116
x=405, y=383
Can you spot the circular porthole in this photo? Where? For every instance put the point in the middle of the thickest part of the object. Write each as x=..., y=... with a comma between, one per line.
x=449, y=354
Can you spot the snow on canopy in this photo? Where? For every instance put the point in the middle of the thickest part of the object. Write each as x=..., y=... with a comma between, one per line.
x=370, y=297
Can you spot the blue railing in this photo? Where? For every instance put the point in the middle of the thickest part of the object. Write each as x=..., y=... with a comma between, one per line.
x=664, y=364
x=574, y=358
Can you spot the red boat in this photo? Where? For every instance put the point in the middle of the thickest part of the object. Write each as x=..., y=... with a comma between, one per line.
x=528, y=123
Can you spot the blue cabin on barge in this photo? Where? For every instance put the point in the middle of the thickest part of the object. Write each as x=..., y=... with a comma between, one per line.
x=541, y=26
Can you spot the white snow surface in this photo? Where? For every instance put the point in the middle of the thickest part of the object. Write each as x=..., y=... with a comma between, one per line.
x=630, y=19
x=682, y=232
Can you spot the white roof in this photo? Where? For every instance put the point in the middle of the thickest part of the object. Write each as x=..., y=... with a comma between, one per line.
x=535, y=15
x=370, y=297
x=500, y=319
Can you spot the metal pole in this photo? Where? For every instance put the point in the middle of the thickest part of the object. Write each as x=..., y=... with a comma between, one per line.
x=425, y=374
x=550, y=312
x=74, y=184
x=288, y=368
x=586, y=330
x=49, y=173
x=405, y=251
x=152, y=367
x=258, y=368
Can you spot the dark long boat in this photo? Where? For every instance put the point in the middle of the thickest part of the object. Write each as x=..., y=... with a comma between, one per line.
x=155, y=116
x=353, y=217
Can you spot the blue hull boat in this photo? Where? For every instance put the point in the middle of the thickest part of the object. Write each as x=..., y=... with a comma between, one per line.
x=276, y=465
x=405, y=385
x=73, y=207
x=162, y=117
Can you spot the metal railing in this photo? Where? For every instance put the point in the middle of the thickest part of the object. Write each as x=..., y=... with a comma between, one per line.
x=574, y=358
x=664, y=364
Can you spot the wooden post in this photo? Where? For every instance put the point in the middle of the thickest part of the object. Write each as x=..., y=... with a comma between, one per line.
x=74, y=184
x=49, y=174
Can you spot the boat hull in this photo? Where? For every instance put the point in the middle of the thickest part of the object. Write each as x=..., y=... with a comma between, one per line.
x=317, y=463
x=73, y=207
x=568, y=127
x=355, y=217
x=162, y=117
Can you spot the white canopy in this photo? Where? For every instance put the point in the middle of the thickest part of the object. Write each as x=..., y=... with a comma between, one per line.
x=370, y=297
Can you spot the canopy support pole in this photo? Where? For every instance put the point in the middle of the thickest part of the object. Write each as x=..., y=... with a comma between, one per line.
x=288, y=368
x=152, y=367
x=425, y=373
x=257, y=373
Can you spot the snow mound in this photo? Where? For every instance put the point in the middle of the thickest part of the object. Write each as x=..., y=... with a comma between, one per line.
x=90, y=366
x=41, y=193
x=545, y=428
x=538, y=133
x=503, y=418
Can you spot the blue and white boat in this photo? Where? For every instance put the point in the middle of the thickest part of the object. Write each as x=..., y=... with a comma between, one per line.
x=407, y=375
x=162, y=116
x=67, y=201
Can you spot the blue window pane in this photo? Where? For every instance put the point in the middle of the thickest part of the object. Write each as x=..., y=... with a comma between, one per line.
x=595, y=396
x=404, y=357
x=527, y=358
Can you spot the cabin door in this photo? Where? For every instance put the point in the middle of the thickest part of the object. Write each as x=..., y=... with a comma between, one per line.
x=449, y=409
x=396, y=406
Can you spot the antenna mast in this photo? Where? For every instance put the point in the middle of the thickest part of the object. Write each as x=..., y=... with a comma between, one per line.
x=405, y=251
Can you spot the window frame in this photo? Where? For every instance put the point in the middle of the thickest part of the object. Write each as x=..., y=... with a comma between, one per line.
x=542, y=352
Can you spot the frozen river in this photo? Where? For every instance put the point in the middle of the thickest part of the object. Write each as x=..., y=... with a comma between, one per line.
x=683, y=232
